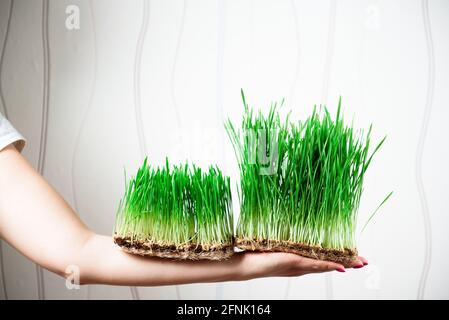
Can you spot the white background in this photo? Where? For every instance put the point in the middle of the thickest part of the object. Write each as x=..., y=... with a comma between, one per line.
x=159, y=77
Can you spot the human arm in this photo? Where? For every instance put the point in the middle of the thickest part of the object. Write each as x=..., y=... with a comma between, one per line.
x=37, y=221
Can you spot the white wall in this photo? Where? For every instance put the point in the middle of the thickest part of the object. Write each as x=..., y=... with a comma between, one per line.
x=159, y=77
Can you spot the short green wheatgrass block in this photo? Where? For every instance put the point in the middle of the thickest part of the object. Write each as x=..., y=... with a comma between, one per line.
x=177, y=209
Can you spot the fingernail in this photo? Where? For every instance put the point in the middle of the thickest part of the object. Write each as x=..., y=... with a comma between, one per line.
x=365, y=263
x=359, y=266
x=341, y=270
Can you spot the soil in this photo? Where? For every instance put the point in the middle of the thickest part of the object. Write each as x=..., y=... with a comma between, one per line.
x=223, y=252
x=187, y=252
x=344, y=257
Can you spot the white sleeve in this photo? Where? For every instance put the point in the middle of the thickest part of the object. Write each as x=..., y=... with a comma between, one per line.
x=9, y=135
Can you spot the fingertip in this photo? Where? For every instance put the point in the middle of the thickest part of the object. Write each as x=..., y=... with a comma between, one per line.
x=340, y=269
x=364, y=261
x=357, y=264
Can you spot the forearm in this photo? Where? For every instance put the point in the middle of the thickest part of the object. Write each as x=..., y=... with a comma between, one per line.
x=102, y=262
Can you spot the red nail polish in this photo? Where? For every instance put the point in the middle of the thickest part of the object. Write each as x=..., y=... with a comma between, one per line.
x=341, y=270
x=365, y=263
x=359, y=266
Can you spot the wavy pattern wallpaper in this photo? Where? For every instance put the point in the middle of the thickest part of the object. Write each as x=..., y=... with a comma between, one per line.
x=159, y=77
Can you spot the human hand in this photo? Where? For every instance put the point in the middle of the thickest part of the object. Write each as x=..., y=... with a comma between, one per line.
x=278, y=264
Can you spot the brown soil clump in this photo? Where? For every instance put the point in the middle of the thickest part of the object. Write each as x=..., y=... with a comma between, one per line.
x=344, y=257
x=187, y=252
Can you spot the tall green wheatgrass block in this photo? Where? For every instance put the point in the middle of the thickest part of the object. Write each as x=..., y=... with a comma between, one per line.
x=177, y=212
x=300, y=183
